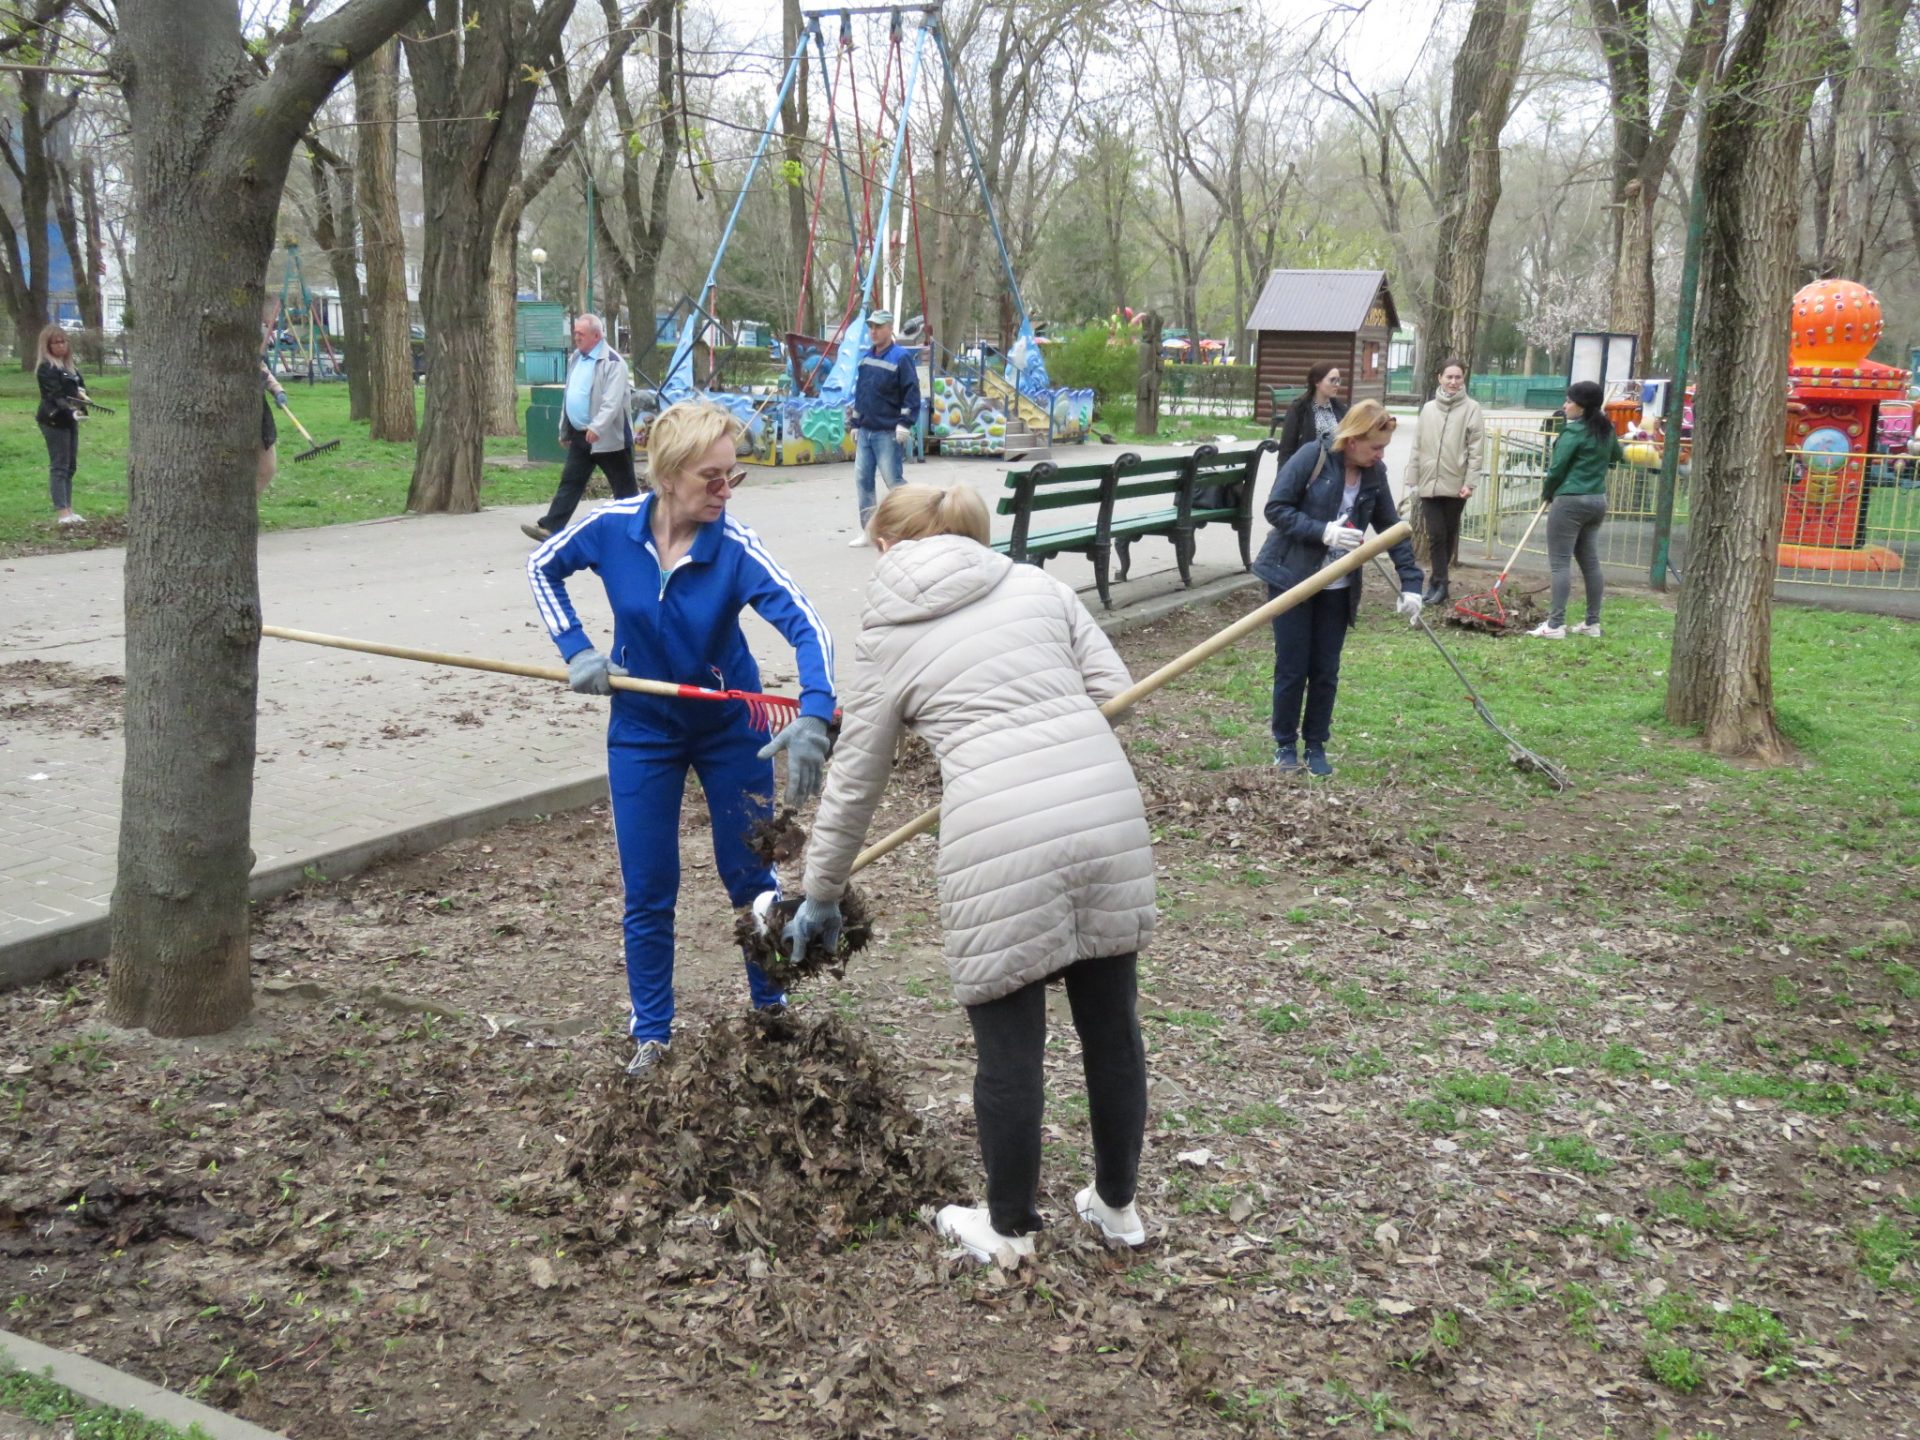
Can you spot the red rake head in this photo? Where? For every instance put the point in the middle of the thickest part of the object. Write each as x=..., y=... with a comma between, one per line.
x=1488, y=609
x=769, y=713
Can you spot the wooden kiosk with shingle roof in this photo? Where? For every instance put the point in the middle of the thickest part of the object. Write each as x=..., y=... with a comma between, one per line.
x=1306, y=316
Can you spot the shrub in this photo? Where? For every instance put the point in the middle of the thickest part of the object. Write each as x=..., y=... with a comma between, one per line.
x=1084, y=360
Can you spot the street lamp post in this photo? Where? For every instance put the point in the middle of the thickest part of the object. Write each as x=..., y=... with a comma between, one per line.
x=539, y=259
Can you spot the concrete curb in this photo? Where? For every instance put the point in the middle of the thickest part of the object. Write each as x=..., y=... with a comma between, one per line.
x=64, y=947
x=104, y=1385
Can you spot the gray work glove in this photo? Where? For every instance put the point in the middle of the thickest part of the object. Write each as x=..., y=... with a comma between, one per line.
x=590, y=672
x=806, y=744
x=902, y=434
x=814, y=920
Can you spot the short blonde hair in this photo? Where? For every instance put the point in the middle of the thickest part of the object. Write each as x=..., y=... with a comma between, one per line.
x=1367, y=420
x=916, y=512
x=681, y=434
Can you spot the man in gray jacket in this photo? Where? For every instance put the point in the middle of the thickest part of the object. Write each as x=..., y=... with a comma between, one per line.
x=594, y=429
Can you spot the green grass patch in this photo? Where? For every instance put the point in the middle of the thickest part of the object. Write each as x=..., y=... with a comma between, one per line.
x=1572, y=1152
x=1887, y=1254
x=1675, y=1366
x=1280, y=1019
x=36, y=1397
x=364, y=479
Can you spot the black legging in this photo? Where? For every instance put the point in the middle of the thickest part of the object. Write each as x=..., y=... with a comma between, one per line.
x=1009, y=1086
x=1442, y=516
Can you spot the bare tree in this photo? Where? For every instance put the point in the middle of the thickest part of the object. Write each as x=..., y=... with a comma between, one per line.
x=1467, y=187
x=793, y=134
x=1869, y=102
x=477, y=67
x=383, y=246
x=27, y=137
x=211, y=138
x=1721, y=679
x=336, y=230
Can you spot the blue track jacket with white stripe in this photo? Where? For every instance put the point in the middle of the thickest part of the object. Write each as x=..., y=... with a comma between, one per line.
x=683, y=626
x=886, y=389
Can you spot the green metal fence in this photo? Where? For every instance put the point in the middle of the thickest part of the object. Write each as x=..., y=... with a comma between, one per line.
x=1498, y=392
x=1885, y=557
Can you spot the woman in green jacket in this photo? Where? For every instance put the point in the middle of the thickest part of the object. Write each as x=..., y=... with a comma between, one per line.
x=1577, y=492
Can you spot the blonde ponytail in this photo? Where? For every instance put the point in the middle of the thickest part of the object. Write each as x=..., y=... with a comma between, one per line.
x=916, y=512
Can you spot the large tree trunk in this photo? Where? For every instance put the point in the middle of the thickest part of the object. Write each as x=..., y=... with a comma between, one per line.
x=93, y=313
x=389, y=362
x=793, y=134
x=25, y=274
x=335, y=230
x=1721, y=679
x=1468, y=189
x=1859, y=155
x=210, y=141
x=1632, y=308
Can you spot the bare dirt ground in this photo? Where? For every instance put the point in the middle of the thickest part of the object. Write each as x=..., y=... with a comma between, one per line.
x=1503, y=1115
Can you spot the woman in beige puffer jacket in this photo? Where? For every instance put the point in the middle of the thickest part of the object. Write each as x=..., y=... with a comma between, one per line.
x=1446, y=461
x=1046, y=867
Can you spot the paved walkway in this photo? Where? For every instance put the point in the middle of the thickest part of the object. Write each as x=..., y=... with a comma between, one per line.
x=362, y=757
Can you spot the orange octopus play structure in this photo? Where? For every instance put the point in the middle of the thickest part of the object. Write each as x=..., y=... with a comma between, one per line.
x=1834, y=391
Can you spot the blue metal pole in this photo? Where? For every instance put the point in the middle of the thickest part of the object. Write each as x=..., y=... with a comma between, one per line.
x=980, y=174
x=683, y=348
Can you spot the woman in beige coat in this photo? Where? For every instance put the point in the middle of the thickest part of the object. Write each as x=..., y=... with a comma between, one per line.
x=1446, y=458
x=1046, y=867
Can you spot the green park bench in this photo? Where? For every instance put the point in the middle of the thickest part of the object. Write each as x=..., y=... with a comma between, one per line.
x=1205, y=487
x=1282, y=397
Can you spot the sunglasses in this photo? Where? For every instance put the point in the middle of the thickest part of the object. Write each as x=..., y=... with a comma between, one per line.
x=732, y=480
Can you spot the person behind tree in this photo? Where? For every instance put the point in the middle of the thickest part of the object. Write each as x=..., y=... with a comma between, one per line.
x=678, y=571
x=1312, y=419
x=63, y=402
x=1576, y=494
x=1046, y=863
x=1446, y=459
x=1324, y=500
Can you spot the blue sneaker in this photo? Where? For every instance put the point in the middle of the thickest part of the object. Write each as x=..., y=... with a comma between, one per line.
x=1286, y=757
x=1317, y=761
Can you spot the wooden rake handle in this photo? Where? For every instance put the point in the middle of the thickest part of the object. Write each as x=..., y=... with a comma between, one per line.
x=514, y=667
x=1179, y=666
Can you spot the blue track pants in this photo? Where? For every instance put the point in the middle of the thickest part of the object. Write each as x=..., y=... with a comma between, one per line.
x=646, y=773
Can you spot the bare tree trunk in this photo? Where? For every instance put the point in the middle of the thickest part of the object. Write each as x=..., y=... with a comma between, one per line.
x=1146, y=396
x=1632, y=310
x=503, y=310
x=335, y=230
x=1721, y=679
x=473, y=103
x=24, y=273
x=389, y=361
x=210, y=143
x=793, y=131
x=1468, y=188
x=92, y=307
x=1858, y=153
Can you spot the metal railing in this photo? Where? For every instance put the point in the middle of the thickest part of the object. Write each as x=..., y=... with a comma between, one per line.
x=1877, y=497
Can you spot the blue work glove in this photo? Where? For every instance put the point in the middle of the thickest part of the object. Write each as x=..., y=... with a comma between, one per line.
x=814, y=920
x=589, y=672
x=279, y=398
x=806, y=744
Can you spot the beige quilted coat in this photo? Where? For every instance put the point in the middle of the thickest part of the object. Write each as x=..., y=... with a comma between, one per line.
x=1044, y=853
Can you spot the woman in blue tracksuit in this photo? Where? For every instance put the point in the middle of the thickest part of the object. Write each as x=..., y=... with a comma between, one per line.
x=1323, y=502
x=678, y=571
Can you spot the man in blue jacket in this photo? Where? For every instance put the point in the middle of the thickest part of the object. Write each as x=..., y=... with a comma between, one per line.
x=886, y=407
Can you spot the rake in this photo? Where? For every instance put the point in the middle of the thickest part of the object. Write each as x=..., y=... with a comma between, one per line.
x=1521, y=756
x=312, y=448
x=765, y=713
x=1490, y=608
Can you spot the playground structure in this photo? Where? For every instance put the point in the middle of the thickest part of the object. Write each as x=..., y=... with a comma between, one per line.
x=298, y=345
x=1836, y=402
x=990, y=406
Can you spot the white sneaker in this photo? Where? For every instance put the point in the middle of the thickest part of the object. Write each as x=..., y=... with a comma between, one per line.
x=859, y=541
x=1123, y=1224
x=1547, y=630
x=972, y=1228
x=1592, y=630
x=649, y=1054
x=74, y=519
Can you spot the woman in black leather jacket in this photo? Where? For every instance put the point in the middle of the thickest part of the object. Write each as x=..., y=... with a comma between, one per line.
x=63, y=401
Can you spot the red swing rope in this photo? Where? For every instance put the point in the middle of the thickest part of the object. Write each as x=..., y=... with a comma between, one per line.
x=820, y=187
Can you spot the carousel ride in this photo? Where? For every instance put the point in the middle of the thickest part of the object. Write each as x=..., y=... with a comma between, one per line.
x=991, y=405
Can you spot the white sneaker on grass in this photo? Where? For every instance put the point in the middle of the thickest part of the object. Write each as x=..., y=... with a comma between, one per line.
x=1590, y=630
x=1123, y=1224
x=1547, y=630
x=972, y=1228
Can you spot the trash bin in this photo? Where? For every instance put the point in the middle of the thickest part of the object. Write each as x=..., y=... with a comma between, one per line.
x=543, y=424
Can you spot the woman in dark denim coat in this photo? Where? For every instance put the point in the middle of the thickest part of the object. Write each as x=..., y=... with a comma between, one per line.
x=1323, y=502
